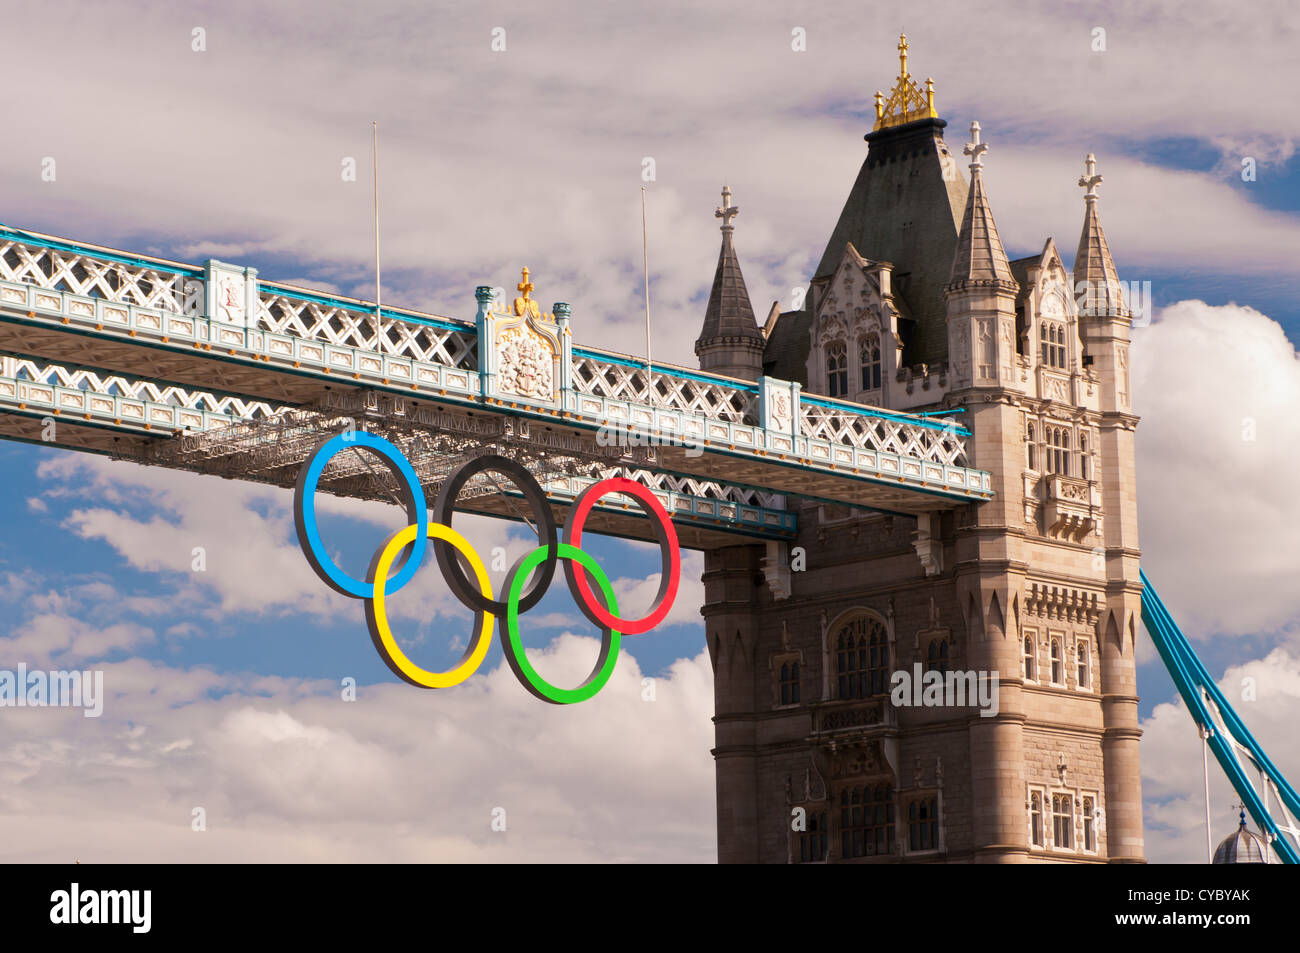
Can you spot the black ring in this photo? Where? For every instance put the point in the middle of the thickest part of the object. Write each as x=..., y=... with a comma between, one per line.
x=543, y=518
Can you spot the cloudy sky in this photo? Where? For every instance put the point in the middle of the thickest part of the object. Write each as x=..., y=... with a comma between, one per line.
x=224, y=684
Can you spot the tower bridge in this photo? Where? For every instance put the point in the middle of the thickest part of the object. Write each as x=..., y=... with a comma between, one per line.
x=946, y=432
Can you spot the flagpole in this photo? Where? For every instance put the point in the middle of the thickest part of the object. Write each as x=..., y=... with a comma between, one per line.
x=374, y=125
x=645, y=264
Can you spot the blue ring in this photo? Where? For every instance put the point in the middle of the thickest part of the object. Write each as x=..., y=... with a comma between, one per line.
x=304, y=512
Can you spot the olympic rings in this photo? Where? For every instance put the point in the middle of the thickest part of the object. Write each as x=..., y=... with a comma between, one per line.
x=455, y=556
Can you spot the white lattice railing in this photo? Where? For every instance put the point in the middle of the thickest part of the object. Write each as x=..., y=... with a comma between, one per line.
x=325, y=334
x=599, y=376
x=142, y=283
x=283, y=311
x=933, y=441
x=107, y=384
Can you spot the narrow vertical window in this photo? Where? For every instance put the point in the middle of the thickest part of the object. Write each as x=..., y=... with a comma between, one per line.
x=837, y=369
x=1031, y=661
x=1089, y=830
x=1084, y=652
x=869, y=358
x=1036, y=819
x=1057, y=674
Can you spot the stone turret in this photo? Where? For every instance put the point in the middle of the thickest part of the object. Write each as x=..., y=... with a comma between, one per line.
x=731, y=342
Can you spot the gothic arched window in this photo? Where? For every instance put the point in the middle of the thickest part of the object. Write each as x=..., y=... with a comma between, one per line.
x=1089, y=825
x=1036, y=819
x=789, y=683
x=1084, y=660
x=923, y=824
x=1051, y=340
x=1062, y=821
x=837, y=369
x=1083, y=455
x=861, y=658
x=1031, y=659
x=869, y=356
x=1058, y=450
x=1030, y=444
x=866, y=821
x=812, y=841
x=1058, y=676
x=938, y=660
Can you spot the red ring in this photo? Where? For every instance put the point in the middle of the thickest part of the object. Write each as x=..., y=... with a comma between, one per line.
x=669, y=548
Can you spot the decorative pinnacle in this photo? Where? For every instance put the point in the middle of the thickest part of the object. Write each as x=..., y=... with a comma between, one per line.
x=726, y=211
x=525, y=286
x=975, y=149
x=1090, y=179
x=902, y=54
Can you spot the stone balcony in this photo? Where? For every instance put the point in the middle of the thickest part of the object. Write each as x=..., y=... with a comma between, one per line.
x=1071, y=507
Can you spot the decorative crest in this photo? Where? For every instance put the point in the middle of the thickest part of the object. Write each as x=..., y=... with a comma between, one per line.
x=726, y=211
x=975, y=149
x=526, y=305
x=906, y=102
x=1090, y=179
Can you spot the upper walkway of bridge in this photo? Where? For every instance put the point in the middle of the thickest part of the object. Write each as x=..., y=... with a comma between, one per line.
x=218, y=329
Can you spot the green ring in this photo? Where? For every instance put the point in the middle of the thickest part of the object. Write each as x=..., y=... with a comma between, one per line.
x=513, y=646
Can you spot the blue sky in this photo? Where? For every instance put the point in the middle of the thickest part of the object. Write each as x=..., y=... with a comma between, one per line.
x=534, y=157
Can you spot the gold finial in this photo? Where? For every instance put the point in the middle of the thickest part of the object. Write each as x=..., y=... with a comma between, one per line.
x=525, y=305
x=906, y=101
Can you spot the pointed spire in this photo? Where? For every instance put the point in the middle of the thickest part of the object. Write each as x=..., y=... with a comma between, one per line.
x=731, y=341
x=1096, y=281
x=980, y=256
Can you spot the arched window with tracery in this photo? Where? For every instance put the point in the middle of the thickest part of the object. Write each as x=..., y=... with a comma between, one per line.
x=1058, y=673
x=1051, y=339
x=938, y=656
x=923, y=824
x=837, y=369
x=869, y=357
x=1083, y=455
x=1032, y=445
x=866, y=821
x=1031, y=659
x=861, y=658
x=1058, y=450
x=789, y=683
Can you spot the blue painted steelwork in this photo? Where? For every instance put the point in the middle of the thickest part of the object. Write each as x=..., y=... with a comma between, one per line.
x=155, y=264
x=1199, y=692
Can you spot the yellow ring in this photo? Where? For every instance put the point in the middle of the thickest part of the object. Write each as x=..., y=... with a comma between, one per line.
x=377, y=613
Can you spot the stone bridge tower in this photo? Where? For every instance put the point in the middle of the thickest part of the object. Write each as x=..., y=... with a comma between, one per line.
x=823, y=753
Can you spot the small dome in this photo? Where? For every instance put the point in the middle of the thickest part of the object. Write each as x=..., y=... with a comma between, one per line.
x=1242, y=847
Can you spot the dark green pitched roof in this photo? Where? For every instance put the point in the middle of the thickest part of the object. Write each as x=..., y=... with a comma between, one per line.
x=786, y=354
x=904, y=209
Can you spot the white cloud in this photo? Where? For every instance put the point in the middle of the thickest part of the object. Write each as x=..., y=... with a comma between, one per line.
x=461, y=207
x=287, y=771
x=1217, y=517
